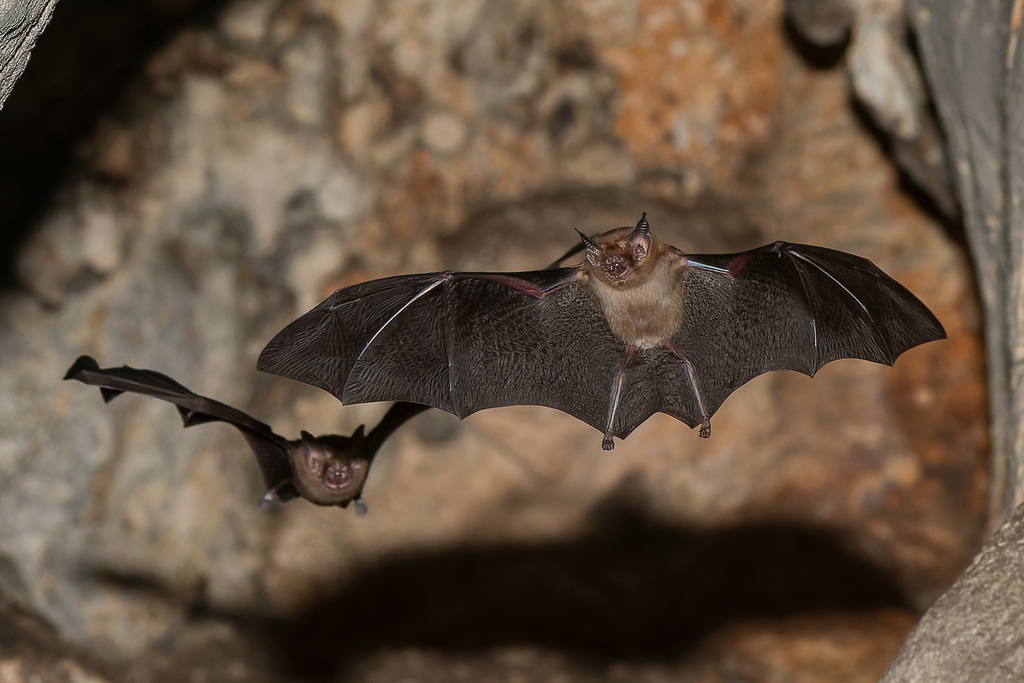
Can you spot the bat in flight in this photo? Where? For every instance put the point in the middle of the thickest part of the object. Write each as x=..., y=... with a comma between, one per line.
x=326, y=470
x=639, y=327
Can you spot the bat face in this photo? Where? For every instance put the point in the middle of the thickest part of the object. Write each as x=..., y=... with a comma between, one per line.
x=636, y=281
x=621, y=257
x=330, y=470
x=639, y=328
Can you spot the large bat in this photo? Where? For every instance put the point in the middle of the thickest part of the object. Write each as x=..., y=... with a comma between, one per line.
x=326, y=470
x=638, y=328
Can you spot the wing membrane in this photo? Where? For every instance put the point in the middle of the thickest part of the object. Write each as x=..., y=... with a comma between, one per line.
x=796, y=307
x=464, y=342
x=269, y=448
x=461, y=342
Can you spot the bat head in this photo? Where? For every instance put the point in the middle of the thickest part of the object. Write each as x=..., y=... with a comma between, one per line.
x=618, y=255
x=330, y=469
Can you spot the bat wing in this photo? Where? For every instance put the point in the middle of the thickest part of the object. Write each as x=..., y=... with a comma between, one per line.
x=789, y=306
x=461, y=342
x=269, y=448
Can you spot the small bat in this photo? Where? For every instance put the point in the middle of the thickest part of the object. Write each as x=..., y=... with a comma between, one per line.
x=639, y=327
x=325, y=470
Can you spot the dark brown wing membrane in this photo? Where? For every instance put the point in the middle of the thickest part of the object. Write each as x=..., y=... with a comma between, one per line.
x=269, y=448
x=790, y=306
x=461, y=342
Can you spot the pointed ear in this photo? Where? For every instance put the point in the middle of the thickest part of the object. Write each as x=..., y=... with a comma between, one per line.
x=314, y=454
x=640, y=239
x=594, y=250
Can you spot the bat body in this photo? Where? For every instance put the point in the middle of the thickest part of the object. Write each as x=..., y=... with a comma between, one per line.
x=326, y=470
x=637, y=328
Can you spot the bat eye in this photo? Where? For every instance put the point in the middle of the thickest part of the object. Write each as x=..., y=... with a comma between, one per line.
x=315, y=457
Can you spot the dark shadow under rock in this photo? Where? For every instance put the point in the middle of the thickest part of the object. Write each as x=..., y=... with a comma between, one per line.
x=633, y=589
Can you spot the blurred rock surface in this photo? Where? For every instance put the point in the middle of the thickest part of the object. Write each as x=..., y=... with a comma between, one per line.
x=808, y=650
x=302, y=145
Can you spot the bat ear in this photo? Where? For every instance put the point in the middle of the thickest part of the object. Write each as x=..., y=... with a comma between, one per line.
x=640, y=239
x=595, y=251
x=314, y=454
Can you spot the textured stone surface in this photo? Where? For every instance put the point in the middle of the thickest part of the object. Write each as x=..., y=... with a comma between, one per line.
x=975, y=67
x=21, y=23
x=977, y=91
x=973, y=631
x=887, y=81
x=299, y=146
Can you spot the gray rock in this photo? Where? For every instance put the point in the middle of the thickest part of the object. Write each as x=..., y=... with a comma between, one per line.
x=21, y=23
x=975, y=630
x=288, y=151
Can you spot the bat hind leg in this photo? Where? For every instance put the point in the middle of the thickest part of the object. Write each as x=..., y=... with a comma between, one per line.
x=705, y=419
x=613, y=402
x=274, y=494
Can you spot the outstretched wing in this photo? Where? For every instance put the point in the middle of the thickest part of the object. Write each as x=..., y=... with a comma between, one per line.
x=269, y=448
x=790, y=306
x=461, y=342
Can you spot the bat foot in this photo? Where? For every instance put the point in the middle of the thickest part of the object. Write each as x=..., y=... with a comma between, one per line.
x=360, y=507
x=608, y=443
x=705, y=429
x=273, y=495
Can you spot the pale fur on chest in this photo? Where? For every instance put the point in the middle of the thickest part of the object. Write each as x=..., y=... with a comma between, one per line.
x=645, y=314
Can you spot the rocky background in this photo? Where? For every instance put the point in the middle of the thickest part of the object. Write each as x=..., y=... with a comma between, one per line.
x=272, y=150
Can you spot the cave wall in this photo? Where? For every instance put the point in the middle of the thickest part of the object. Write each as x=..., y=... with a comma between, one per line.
x=282, y=149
